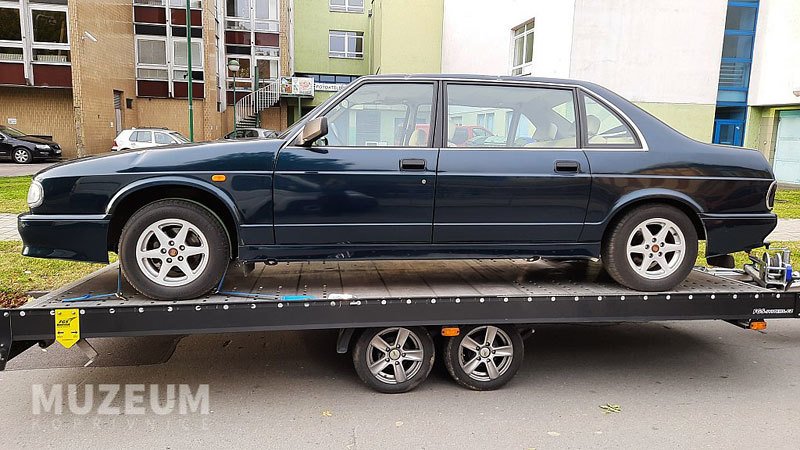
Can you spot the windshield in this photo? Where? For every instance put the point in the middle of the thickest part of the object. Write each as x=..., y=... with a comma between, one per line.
x=179, y=137
x=13, y=132
x=299, y=124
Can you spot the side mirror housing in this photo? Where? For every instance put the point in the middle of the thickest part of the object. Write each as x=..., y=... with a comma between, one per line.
x=313, y=130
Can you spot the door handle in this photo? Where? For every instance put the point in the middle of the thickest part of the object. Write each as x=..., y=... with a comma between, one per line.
x=567, y=166
x=412, y=164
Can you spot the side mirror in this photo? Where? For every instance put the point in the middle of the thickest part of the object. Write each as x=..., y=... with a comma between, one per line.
x=313, y=130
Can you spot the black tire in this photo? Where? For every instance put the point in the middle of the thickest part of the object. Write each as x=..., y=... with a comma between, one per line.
x=383, y=382
x=616, y=260
x=218, y=255
x=21, y=155
x=479, y=380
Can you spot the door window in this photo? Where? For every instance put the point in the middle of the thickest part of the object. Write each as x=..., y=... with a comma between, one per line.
x=510, y=116
x=163, y=138
x=382, y=115
x=604, y=128
x=142, y=136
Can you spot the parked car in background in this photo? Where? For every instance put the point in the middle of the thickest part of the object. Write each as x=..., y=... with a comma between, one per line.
x=572, y=170
x=251, y=133
x=24, y=149
x=136, y=138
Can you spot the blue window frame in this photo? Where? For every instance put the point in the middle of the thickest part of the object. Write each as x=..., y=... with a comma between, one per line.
x=734, y=71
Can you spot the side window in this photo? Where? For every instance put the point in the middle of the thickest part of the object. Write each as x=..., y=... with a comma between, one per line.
x=251, y=133
x=143, y=136
x=382, y=115
x=604, y=128
x=510, y=116
x=162, y=138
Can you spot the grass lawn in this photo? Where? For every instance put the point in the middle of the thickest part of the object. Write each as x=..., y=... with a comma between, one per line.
x=14, y=194
x=741, y=257
x=787, y=203
x=20, y=274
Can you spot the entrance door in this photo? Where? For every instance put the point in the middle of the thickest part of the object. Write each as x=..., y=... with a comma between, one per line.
x=118, y=112
x=369, y=181
x=787, y=148
x=728, y=132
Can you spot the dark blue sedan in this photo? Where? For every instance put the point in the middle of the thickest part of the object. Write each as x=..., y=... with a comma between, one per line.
x=551, y=168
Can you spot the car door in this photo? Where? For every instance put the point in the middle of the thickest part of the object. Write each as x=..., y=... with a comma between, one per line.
x=370, y=180
x=5, y=145
x=526, y=182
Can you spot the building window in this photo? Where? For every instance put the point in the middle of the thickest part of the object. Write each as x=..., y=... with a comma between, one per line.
x=161, y=48
x=346, y=44
x=355, y=6
x=252, y=15
x=523, y=49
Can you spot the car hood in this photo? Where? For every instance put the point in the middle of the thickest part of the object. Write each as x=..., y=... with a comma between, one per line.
x=36, y=140
x=220, y=156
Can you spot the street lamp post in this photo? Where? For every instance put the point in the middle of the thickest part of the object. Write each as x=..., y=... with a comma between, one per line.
x=190, y=83
x=233, y=66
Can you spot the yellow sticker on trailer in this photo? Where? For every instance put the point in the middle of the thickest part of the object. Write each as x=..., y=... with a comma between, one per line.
x=68, y=327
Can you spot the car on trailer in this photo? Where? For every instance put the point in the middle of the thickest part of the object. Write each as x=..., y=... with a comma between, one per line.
x=572, y=171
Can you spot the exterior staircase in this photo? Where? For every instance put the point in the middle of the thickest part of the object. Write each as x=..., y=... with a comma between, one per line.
x=250, y=106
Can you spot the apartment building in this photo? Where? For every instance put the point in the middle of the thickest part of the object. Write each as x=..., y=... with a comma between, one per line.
x=82, y=70
x=721, y=71
x=336, y=41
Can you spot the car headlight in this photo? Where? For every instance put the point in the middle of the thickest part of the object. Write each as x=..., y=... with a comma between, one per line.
x=35, y=194
x=42, y=147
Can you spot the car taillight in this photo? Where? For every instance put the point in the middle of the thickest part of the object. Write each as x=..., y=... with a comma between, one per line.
x=115, y=143
x=773, y=189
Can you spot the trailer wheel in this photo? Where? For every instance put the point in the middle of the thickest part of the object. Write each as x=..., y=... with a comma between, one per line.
x=393, y=360
x=484, y=357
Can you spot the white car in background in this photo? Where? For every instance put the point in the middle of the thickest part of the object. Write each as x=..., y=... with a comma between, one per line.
x=137, y=138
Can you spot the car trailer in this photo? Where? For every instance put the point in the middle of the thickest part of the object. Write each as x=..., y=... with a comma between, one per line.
x=388, y=312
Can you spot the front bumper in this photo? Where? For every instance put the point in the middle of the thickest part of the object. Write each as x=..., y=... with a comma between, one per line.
x=728, y=233
x=74, y=237
x=47, y=154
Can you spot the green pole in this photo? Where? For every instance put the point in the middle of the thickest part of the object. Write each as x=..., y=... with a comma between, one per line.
x=234, y=101
x=189, y=58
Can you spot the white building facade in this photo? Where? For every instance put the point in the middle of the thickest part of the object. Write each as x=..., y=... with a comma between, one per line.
x=674, y=58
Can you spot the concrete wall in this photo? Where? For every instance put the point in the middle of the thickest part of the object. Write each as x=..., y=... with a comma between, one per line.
x=477, y=36
x=776, y=61
x=654, y=51
x=41, y=111
x=407, y=36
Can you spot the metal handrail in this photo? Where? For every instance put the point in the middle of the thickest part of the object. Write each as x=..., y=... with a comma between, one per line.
x=260, y=99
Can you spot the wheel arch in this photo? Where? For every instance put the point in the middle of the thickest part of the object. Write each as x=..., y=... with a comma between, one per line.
x=139, y=194
x=654, y=197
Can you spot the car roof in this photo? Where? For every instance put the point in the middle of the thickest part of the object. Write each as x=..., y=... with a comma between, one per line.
x=470, y=77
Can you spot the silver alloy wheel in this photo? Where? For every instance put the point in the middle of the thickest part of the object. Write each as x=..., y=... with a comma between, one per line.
x=172, y=252
x=395, y=355
x=21, y=155
x=656, y=248
x=486, y=353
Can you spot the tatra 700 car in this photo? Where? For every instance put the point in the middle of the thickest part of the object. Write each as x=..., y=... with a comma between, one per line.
x=560, y=169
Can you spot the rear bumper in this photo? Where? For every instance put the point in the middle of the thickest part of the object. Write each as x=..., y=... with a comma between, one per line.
x=728, y=233
x=74, y=237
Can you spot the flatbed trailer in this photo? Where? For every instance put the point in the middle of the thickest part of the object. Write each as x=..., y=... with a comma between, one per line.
x=388, y=310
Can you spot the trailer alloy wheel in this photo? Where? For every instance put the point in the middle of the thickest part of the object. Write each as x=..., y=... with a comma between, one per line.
x=484, y=357
x=395, y=359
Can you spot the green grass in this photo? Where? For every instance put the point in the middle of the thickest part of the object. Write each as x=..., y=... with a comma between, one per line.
x=787, y=203
x=20, y=274
x=14, y=194
x=741, y=257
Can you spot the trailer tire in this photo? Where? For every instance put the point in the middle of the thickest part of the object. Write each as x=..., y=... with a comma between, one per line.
x=499, y=350
x=651, y=248
x=195, y=249
x=396, y=365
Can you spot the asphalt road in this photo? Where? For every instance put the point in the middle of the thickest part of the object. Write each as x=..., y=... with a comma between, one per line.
x=684, y=385
x=9, y=169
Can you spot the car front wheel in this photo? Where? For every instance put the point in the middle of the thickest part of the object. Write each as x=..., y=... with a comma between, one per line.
x=651, y=248
x=173, y=250
x=22, y=155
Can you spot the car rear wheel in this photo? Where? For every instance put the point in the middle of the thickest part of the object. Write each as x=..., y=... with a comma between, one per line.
x=22, y=155
x=651, y=248
x=173, y=250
